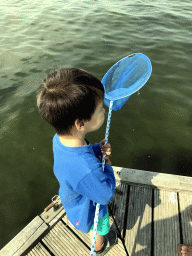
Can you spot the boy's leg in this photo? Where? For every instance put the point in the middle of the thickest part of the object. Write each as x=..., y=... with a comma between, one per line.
x=103, y=228
x=99, y=241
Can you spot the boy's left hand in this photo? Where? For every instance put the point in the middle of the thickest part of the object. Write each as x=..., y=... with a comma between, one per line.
x=105, y=149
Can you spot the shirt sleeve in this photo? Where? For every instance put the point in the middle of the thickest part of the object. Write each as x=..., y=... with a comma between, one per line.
x=98, y=186
x=97, y=149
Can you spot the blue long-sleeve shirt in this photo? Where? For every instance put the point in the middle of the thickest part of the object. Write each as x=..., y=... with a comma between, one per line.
x=82, y=181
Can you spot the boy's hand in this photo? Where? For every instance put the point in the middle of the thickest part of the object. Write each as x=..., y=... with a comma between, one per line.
x=105, y=149
x=107, y=160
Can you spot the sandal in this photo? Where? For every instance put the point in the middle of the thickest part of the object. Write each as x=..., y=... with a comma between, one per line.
x=188, y=250
x=190, y=212
x=110, y=239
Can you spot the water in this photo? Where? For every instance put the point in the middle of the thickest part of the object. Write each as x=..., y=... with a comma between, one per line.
x=151, y=132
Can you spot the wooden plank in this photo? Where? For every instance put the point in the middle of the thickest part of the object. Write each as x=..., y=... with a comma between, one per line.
x=166, y=223
x=118, y=249
x=153, y=179
x=54, y=214
x=185, y=201
x=61, y=241
x=25, y=238
x=139, y=217
x=118, y=206
x=38, y=250
x=83, y=236
x=34, y=230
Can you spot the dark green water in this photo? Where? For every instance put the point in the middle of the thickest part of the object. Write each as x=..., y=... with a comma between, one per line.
x=153, y=130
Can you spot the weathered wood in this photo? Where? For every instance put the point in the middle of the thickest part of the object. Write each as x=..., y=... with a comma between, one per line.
x=166, y=223
x=61, y=242
x=185, y=201
x=153, y=179
x=63, y=239
x=118, y=206
x=139, y=217
x=38, y=250
x=117, y=249
x=54, y=214
x=83, y=236
x=25, y=238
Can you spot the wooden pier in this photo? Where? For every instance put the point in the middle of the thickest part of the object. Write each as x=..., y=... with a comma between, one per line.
x=150, y=208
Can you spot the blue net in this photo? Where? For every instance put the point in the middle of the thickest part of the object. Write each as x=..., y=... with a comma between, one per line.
x=125, y=78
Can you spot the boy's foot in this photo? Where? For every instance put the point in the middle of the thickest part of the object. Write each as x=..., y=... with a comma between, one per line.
x=109, y=241
x=184, y=250
x=190, y=211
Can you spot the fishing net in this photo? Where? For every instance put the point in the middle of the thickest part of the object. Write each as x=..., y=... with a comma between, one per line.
x=125, y=78
x=122, y=80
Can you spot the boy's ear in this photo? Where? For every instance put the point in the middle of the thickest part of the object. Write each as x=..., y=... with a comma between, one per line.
x=79, y=124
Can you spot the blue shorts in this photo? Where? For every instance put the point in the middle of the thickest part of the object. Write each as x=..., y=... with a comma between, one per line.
x=103, y=226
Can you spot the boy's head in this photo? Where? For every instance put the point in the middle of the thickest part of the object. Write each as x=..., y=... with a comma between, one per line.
x=67, y=95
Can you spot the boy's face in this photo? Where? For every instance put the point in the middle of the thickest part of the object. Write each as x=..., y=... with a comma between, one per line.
x=97, y=119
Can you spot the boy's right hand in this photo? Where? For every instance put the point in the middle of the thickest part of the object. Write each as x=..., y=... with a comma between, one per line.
x=107, y=160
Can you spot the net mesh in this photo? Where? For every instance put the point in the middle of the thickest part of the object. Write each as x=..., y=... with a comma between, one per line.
x=125, y=78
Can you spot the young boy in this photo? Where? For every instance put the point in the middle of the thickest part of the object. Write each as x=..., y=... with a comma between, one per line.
x=71, y=100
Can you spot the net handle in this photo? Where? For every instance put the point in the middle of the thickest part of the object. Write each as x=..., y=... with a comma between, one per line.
x=103, y=165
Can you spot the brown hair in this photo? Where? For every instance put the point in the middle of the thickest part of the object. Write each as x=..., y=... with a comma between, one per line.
x=66, y=95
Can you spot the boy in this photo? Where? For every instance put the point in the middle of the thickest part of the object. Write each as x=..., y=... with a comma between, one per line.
x=71, y=100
